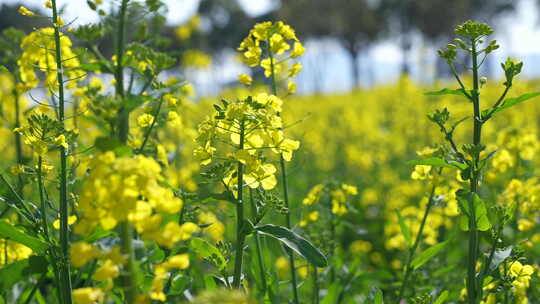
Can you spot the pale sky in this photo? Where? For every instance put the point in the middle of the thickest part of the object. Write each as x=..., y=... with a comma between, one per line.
x=518, y=33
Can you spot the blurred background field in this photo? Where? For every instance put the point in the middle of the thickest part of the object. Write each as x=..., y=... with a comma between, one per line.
x=360, y=115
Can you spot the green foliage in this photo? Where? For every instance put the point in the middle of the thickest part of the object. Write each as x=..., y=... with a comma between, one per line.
x=21, y=270
x=10, y=232
x=428, y=254
x=294, y=241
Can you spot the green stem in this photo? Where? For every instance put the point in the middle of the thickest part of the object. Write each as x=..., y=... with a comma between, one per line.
x=240, y=235
x=45, y=227
x=315, y=285
x=125, y=229
x=123, y=113
x=149, y=131
x=472, y=283
x=285, y=184
x=64, y=208
x=486, y=265
x=412, y=250
x=258, y=245
x=128, y=277
x=43, y=203
x=18, y=144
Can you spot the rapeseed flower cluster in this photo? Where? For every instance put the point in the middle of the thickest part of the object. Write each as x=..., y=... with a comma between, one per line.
x=271, y=45
x=125, y=189
x=38, y=53
x=250, y=125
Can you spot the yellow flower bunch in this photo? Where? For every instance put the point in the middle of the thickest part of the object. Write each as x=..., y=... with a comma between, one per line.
x=38, y=51
x=121, y=189
x=251, y=125
x=162, y=273
x=12, y=251
x=271, y=45
x=338, y=196
x=519, y=276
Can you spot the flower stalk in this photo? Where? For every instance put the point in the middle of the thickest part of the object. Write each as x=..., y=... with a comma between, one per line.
x=240, y=234
x=64, y=207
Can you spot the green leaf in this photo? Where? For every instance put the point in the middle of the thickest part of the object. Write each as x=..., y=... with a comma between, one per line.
x=295, y=242
x=8, y=231
x=404, y=229
x=20, y=270
x=98, y=234
x=209, y=282
x=378, y=297
x=480, y=210
x=179, y=283
x=3, y=69
x=105, y=144
x=446, y=91
x=510, y=102
x=332, y=294
x=442, y=297
x=437, y=162
x=209, y=252
x=135, y=101
x=428, y=254
x=91, y=67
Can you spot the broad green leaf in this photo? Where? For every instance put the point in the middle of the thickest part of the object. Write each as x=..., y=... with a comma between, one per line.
x=8, y=231
x=209, y=252
x=297, y=243
x=437, y=162
x=404, y=228
x=446, y=91
x=21, y=270
x=481, y=215
x=428, y=254
x=3, y=69
x=442, y=297
x=510, y=102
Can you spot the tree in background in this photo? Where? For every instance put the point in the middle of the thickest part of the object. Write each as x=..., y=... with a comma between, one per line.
x=435, y=23
x=355, y=24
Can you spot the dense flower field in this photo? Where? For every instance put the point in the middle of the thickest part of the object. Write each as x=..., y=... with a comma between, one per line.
x=117, y=185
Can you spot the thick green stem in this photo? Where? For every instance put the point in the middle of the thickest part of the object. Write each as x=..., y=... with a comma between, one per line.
x=472, y=283
x=240, y=235
x=64, y=208
x=315, y=285
x=128, y=277
x=126, y=231
x=412, y=250
x=258, y=245
x=285, y=186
